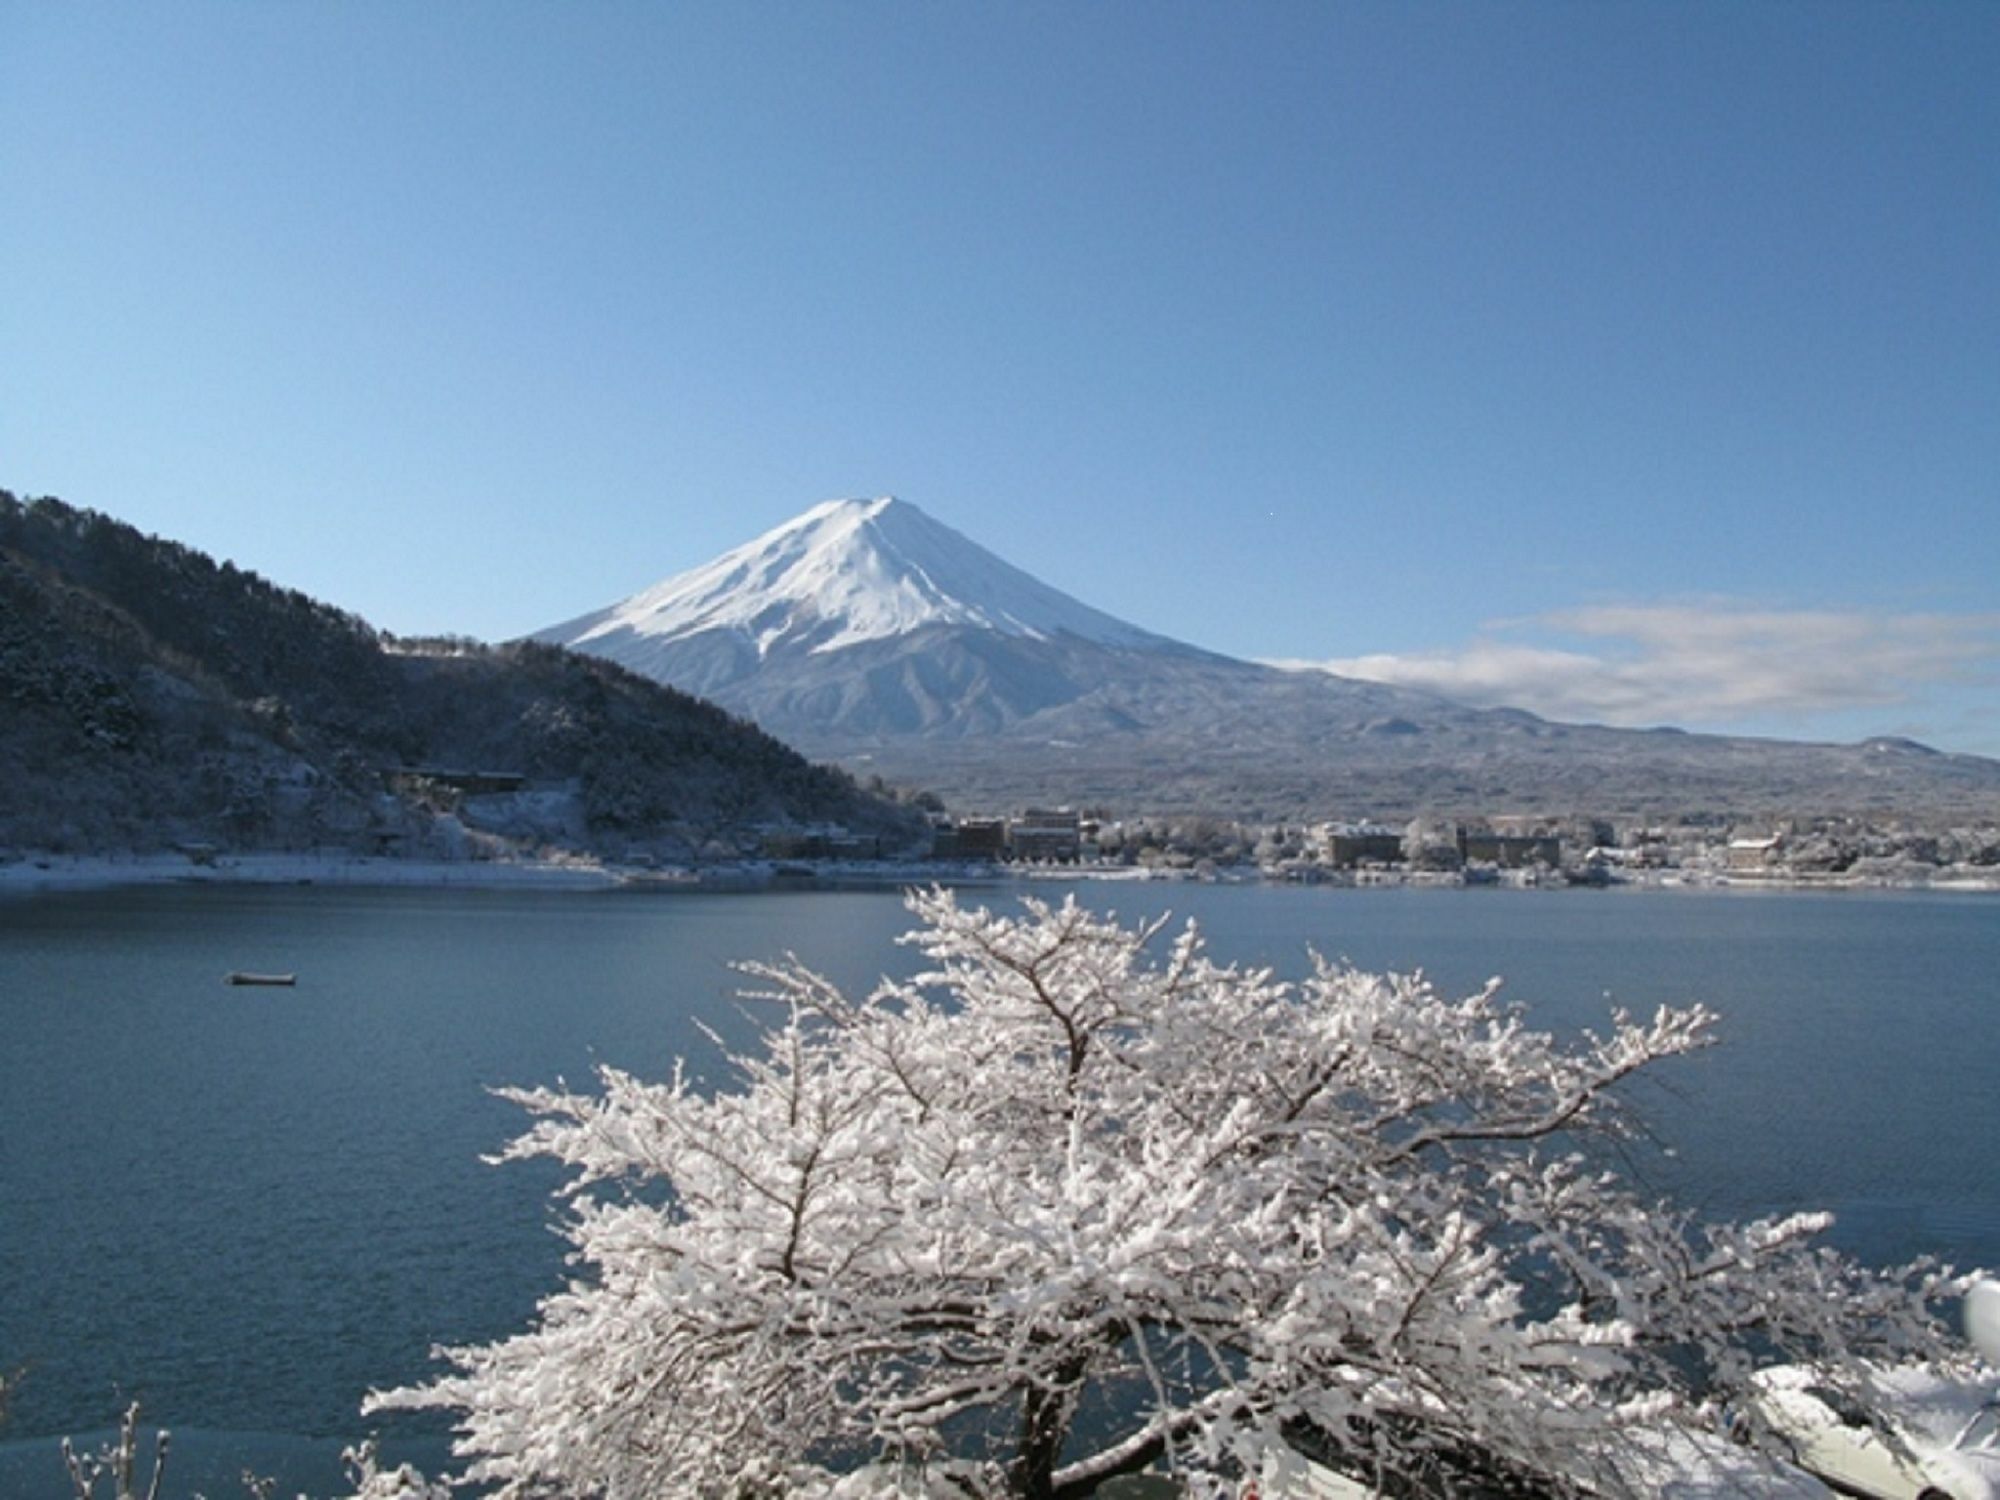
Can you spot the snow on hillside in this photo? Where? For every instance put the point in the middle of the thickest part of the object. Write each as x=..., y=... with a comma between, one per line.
x=843, y=573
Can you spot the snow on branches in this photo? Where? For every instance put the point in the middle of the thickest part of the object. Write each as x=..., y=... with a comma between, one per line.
x=1059, y=1208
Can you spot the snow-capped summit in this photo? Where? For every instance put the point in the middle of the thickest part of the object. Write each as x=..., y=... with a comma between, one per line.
x=843, y=573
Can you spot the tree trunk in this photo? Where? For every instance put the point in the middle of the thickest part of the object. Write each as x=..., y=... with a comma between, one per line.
x=1046, y=1409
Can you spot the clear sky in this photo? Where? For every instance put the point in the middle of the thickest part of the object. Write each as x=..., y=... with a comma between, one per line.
x=1623, y=361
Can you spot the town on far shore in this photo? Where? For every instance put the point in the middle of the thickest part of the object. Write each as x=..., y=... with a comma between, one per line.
x=459, y=826
x=1513, y=850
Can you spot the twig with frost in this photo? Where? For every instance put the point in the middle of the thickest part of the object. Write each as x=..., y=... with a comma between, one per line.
x=118, y=1462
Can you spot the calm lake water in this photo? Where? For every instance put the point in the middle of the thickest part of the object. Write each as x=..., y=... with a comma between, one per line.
x=246, y=1207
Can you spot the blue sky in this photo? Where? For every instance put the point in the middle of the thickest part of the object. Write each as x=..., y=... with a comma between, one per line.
x=1632, y=362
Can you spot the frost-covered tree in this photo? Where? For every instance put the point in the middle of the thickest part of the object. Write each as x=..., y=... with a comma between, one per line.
x=1062, y=1207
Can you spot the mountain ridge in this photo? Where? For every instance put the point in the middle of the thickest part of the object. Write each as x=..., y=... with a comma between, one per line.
x=821, y=631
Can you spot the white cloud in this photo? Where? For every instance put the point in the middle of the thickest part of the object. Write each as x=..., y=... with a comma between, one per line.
x=1700, y=666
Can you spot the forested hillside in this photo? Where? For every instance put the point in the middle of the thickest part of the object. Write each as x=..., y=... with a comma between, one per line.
x=150, y=696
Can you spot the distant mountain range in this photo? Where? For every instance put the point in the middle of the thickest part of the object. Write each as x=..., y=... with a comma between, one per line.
x=150, y=696
x=866, y=632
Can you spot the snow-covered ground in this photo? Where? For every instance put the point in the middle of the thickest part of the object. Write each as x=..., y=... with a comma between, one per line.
x=57, y=872
x=97, y=871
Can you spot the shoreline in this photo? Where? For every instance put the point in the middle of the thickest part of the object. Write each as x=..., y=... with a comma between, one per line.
x=89, y=872
x=34, y=874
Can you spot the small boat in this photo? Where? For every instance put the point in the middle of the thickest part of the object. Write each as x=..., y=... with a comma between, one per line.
x=239, y=976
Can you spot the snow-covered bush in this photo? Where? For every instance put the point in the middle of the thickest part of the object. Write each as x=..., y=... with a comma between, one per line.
x=117, y=1465
x=1060, y=1208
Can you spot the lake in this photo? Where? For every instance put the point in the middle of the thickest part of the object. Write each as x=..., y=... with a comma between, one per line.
x=246, y=1207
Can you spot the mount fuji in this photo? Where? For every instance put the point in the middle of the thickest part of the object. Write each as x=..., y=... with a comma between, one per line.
x=866, y=632
x=851, y=571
